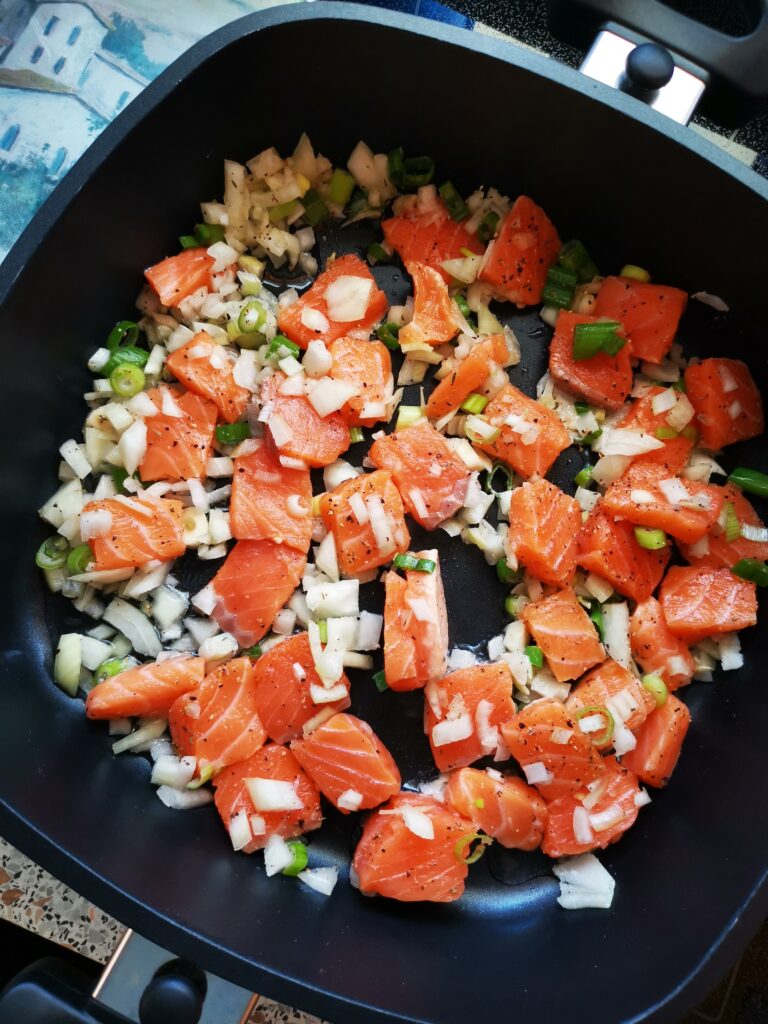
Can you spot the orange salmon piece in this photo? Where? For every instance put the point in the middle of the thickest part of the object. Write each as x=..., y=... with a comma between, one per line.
x=565, y=634
x=218, y=722
x=390, y=860
x=608, y=548
x=480, y=698
x=430, y=476
x=656, y=649
x=715, y=550
x=415, y=645
x=611, y=816
x=604, y=380
x=282, y=678
x=178, y=447
x=430, y=237
x=367, y=365
x=727, y=403
x=649, y=312
x=147, y=691
x=435, y=317
x=519, y=257
x=270, y=762
x=646, y=496
x=290, y=319
x=531, y=422
x=505, y=808
x=467, y=376
x=534, y=737
x=700, y=601
x=143, y=529
x=206, y=368
x=175, y=278
x=674, y=455
x=357, y=548
x=270, y=501
x=544, y=524
x=599, y=688
x=253, y=584
x=344, y=756
x=314, y=440
x=659, y=741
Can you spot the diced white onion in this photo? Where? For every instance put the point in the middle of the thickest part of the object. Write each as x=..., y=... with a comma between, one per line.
x=730, y=652
x=281, y=431
x=328, y=600
x=132, y=446
x=674, y=491
x=682, y=414
x=314, y=320
x=622, y=441
x=169, y=406
x=381, y=524
x=713, y=301
x=642, y=799
x=606, y=819
x=642, y=497
x=582, y=829
x=368, y=631
x=536, y=773
x=417, y=822
x=323, y=695
x=74, y=456
x=349, y=800
x=273, y=795
x=173, y=771
x=218, y=648
x=664, y=401
x=584, y=882
x=329, y=395
x=240, y=830
x=95, y=523
x=337, y=472
x=133, y=624
x=317, y=361
x=420, y=609
x=452, y=730
x=184, y=799
x=347, y=298
x=560, y=736
x=735, y=409
x=616, y=632
x=592, y=723
x=599, y=588
x=277, y=854
x=359, y=510
x=609, y=468
x=322, y=880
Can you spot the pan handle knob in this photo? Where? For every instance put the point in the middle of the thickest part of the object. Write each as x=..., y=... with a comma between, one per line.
x=171, y=997
x=650, y=66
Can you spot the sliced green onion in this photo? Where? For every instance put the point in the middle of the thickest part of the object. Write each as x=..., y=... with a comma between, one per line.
x=732, y=524
x=457, y=208
x=505, y=574
x=119, y=476
x=584, y=477
x=209, y=234
x=590, y=438
x=396, y=165
x=479, y=430
x=463, y=305
x=300, y=858
x=507, y=475
x=315, y=209
x=108, y=668
x=535, y=655
x=356, y=435
x=514, y=604
x=590, y=339
x=557, y=296
x=752, y=570
x=636, y=273
x=205, y=775
x=253, y=652
x=664, y=433
x=582, y=408
x=574, y=257
x=487, y=228
x=79, y=559
x=283, y=210
x=653, y=683
x=406, y=561
x=252, y=317
x=407, y=415
x=376, y=253
x=750, y=480
x=426, y=565
x=477, y=853
x=380, y=680
x=188, y=242
x=599, y=709
x=341, y=187
x=479, y=803
x=690, y=433
x=128, y=354
x=322, y=627
x=232, y=433
x=387, y=333
x=280, y=341
x=596, y=617
x=52, y=553
x=359, y=202
x=679, y=385
x=474, y=403
x=418, y=171
x=124, y=332
x=651, y=540
x=127, y=380
x=562, y=276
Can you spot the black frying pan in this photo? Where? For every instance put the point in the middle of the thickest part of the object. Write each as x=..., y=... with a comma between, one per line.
x=691, y=876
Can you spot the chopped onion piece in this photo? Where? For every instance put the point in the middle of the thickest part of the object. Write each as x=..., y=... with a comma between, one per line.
x=74, y=456
x=642, y=799
x=381, y=524
x=713, y=301
x=622, y=441
x=277, y=853
x=641, y=497
x=314, y=320
x=735, y=409
x=599, y=588
x=616, y=632
x=584, y=882
x=369, y=632
x=350, y=800
x=357, y=504
x=273, y=795
x=317, y=361
x=536, y=772
x=417, y=822
x=730, y=652
x=682, y=414
x=184, y=799
x=664, y=401
x=560, y=736
x=323, y=695
x=609, y=468
x=452, y=730
x=420, y=609
x=758, y=534
x=582, y=830
x=329, y=600
x=347, y=298
x=674, y=491
x=322, y=880
x=134, y=625
x=337, y=472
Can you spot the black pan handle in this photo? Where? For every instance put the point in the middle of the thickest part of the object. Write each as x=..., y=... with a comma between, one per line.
x=736, y=66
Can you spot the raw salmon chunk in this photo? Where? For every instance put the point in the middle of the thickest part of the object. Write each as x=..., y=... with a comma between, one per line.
x=435, y=317
x=141, y=529
x=565, y=634
x=467, y=376
x=178, y=446
x=727, y=403
x=207, y=369
x=218, y=722
x=649, y=312
x=519, y=257
x=604, y=380
x=531, y=436
x=646, y=496
x=285, y=681
x=544, y=523
x=557, y=758
x=430, y=476
x=175, y=278
x=614, y=812
x=392, y=860
x=714, y=549
x=279, y=764
x=297, y=431
x=330, y=294
x=270, y=501
x=674, y=454
x=253, y=584
x=464, y=711
x=367, y=365
x=615, y=688
x=415, y=627
x=608, y=548
x=504, y=807
x=656, y=649
x=430, y=237
x=353, y=510
x=659, y=741
x=700, y=601
x=348, y=763
x=148, y=691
